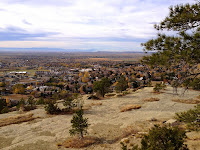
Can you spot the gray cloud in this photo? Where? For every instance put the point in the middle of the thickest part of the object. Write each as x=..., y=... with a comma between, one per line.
x=26, y=22
x=39, y=2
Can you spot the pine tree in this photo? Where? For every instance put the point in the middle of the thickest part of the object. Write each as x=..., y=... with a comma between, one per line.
x=181, y=49
x=102, y=87
x=122, y=84
x=79, y=124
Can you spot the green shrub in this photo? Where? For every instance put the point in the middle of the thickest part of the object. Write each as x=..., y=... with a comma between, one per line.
x=149, y=83
x=195, y=84
x=31, y=103
x=40, y=101
x=122, y=84
x=191, y=118
x=2, y=104
x=51, y=107
x=5, y=110
x=21, y=103
x=68, y=102
x=164, y=138
x=123, y=146
x=159, y=86
x=161, y=138
x=125, y=92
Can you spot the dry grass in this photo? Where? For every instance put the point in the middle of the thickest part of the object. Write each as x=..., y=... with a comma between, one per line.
x=110, y=95
x=80, y=143
x=129, y=130
x=155, y=92
x=119, y=95
x=130, y=107
x=151, y=99
x=187, y=101
x=198, y=97
x=89, y=106
x=96, y=104
x=16, y=119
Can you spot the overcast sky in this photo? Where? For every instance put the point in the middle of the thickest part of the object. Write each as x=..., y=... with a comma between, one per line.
x=110, y=25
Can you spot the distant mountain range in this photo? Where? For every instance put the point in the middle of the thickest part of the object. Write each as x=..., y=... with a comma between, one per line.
x=43, y=49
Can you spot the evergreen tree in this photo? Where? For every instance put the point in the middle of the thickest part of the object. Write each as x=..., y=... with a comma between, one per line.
x=122, y=84
x=180, y=49
x=102, y=86
x=31, y=101
x=79, y=124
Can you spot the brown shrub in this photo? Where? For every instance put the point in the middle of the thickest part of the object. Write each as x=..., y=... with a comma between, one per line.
x=151, y=99
x=110, y=95
x=96, y=104
x=16, y=120
x=130, y=107
x=76, y=142
x=186, y=101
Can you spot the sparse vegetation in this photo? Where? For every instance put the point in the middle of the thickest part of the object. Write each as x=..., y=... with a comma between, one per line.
x=21, y=103
x=79, y=124
x=158, y=87
x=191, y=118
x=193, y=83
x=3, y=105
x=149, y=83
x=31, y=102
x=51, y=107
x=40, y=101
x=68, y=102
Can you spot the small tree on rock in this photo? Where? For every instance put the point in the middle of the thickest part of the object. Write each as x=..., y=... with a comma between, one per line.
x=79, y=124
